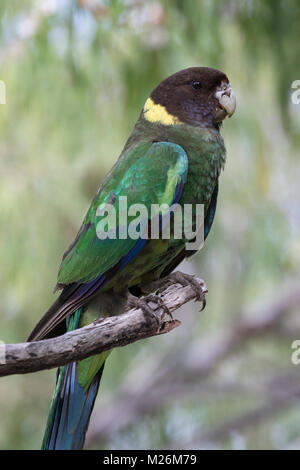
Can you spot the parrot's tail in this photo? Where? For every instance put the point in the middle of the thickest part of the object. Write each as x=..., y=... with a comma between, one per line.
x=72, y=404
x=70, y=411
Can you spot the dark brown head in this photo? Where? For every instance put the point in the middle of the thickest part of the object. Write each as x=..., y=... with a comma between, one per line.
x=199, y=96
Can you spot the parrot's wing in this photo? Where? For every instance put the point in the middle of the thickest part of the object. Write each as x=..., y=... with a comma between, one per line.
x=149, y=173
x=211, y=211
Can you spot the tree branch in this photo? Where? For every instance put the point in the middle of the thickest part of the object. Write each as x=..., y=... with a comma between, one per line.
x=101, y=335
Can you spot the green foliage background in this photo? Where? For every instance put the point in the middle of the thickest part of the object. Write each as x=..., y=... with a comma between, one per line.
x=77, y=75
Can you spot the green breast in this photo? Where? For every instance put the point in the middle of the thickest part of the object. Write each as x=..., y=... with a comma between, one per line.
x=206, y=156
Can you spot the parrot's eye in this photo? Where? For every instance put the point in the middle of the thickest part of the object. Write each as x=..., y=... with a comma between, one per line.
x=196, y=84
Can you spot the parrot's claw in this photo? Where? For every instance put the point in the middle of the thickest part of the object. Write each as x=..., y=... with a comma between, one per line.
x=189, y=280
x=159, y=301
x=143, y=304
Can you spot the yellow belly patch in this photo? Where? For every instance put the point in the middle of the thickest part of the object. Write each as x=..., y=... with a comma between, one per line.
x=157, y=113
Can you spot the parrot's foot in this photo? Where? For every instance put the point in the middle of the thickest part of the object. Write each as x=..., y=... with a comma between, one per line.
x=189, y=280
x=143, y=304
x=160, y=303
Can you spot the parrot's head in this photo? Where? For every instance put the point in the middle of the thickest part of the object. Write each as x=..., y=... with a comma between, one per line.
x=198, y=96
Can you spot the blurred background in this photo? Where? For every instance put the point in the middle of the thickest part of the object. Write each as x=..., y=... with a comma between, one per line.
x=77, y=75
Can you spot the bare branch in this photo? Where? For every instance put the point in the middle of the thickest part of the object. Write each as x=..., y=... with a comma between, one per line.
x=103, y=335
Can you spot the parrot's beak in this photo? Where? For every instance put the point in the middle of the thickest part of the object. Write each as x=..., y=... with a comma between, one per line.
x=227, y=100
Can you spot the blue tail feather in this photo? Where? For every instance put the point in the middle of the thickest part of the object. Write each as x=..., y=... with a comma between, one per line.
x=71, y=406
x=71, y=409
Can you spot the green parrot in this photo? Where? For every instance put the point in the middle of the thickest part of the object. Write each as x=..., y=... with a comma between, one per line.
x=174, y=155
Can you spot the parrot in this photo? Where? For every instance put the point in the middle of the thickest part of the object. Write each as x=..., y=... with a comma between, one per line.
x=174, y=155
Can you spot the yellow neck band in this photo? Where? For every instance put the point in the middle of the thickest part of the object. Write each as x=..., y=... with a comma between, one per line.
x=157, y=113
